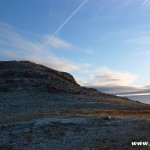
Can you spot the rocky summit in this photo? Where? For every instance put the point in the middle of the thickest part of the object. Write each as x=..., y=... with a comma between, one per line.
x=45, y=109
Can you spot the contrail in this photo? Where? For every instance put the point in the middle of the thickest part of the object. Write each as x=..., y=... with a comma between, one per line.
x=69, y=18
x=64, y=23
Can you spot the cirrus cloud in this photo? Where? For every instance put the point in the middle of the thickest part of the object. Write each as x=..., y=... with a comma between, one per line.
x=57, y=42
x=16, y=46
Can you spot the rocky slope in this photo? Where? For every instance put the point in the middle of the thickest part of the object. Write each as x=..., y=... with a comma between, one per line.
x=45, y=109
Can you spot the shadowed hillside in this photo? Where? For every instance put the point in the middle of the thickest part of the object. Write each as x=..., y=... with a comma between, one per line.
x=28, y=76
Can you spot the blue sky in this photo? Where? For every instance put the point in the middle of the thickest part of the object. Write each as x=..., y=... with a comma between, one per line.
x=100, y=42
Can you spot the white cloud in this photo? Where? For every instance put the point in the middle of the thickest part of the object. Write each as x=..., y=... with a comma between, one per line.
x=57, y=42
x=80, y=80
x=140, y=40
x=11, y=38
x=54, y=62
x=106, y=76
x=16, y=46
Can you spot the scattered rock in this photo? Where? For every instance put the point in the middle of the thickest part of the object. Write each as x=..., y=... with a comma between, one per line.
x=107, y=118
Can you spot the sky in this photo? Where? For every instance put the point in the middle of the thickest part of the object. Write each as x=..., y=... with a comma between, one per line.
x=102, y=43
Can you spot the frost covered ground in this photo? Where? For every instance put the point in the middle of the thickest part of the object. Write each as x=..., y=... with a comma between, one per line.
x=50, y=121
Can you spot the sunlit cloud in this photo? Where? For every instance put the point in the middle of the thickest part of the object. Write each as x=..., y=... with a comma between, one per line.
x=106, y=76
x=81, y=80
